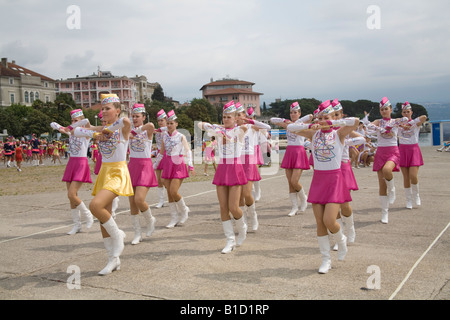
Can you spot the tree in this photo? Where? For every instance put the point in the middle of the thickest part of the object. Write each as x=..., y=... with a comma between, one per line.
x=417, y=109
x=158, y=94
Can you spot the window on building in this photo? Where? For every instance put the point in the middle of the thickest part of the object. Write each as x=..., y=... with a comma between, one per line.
x=47, y=99
x=36, y=95
x=11, y=81
x=27, y=97
x=46, y=84
x=12, y=98
x=31, y=97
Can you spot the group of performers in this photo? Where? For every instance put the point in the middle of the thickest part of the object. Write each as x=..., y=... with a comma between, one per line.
x=326, y=133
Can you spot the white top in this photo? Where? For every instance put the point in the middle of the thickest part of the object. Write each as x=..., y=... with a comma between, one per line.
x=327, y=150
x=115, y=148
x=250, y=140
x=409, y=136
x=173, y=144
x=159, y=136
x=141, y=146
x=387, y=139
x=78, y=146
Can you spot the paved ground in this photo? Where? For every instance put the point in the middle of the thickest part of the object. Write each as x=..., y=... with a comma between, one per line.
x=410, y=255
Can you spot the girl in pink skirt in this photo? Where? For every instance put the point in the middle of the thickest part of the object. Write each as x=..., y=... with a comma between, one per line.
x=295, y=159
x=77, y=170
x=345, y=217
x=328, y=187
x=161, y=117
x=249, y=160
x=230, y=176
x=174, y=145
x=387, y=157
x=261, y=145
x=410, y=154
x=141, y=171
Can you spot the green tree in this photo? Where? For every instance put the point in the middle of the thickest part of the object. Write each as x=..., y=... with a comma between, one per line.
x=417, y=109
x=158, y=94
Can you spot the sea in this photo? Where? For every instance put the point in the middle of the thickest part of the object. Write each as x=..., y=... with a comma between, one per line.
x=439, y=111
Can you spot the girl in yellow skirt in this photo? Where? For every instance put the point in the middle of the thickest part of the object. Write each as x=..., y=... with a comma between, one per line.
x=113, y=179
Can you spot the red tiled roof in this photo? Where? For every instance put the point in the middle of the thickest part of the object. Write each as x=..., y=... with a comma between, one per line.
x=14, y=70
x=226, y=83
x=230, y=91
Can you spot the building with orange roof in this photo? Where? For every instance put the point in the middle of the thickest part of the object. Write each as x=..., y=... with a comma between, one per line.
x=219, y=92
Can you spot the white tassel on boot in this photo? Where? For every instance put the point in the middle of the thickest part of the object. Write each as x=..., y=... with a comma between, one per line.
x=349, y=228
x=415, y=192
x=241, y=227
x=409, y=198
x=294, y=201
x=324, y=247
x=252, y=217
x=113, y=262
x=89, y=217
x=137, y=229
x=391, y=190
x=384, y=200
x=116, y=235
x=173, y=215
x=303, y=199
x=161, y=197
x=150, y=222
x=184, y=210
x=229, y=234
x=76, y=220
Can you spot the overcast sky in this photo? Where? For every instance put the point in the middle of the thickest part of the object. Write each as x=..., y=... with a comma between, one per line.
x=288, y=48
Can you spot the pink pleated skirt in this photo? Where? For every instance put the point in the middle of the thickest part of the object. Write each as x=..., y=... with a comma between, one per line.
x=250, y=167
x=295, y=158
x=98, y=164
x=77, y=169
x=385, y=154
x=311, y=160
x=259, y=156
x=349, y=177
x=161, y=163
x=410, y=155
x=142, y=173
x=230, y=173
x=174, y=168
x=328, y=186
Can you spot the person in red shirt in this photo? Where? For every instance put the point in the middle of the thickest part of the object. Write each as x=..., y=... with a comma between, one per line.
x=18, y=156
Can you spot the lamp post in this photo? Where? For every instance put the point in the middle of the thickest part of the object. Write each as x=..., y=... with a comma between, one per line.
x=96, y=116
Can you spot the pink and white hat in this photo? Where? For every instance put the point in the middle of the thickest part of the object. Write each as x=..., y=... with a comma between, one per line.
x=250, y=112
x=76, y=113
x=138, y=108
x=239, y=107
x=229, y=107
x=385, y=102
x=161, y=114
x=336, y=105
x=406, y=106
x=171, y=115
x=295, y=106
x=326, y=107
x=109, y=98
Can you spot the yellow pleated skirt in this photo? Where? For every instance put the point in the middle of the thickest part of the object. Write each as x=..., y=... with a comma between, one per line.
x=115, y=177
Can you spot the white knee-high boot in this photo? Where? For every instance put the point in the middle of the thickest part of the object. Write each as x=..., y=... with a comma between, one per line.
x=84, y=210
x=113, y=262
x=183, y=209
x=137, y=229
x=229, y=234
x=391, y=190
x=161, y=197
x=76, y=220
x=115, y=205
x=116, y=235
x=341, y=240
x=324, y=247
x=294, y=201
x=257, y=186
x=150, y=219
x=349, y=227
x=415, y=193
x=252, y=216
x=241, y=227
x=303, y=199
x=173, y=215
x=384, y=200
x=409, y=198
